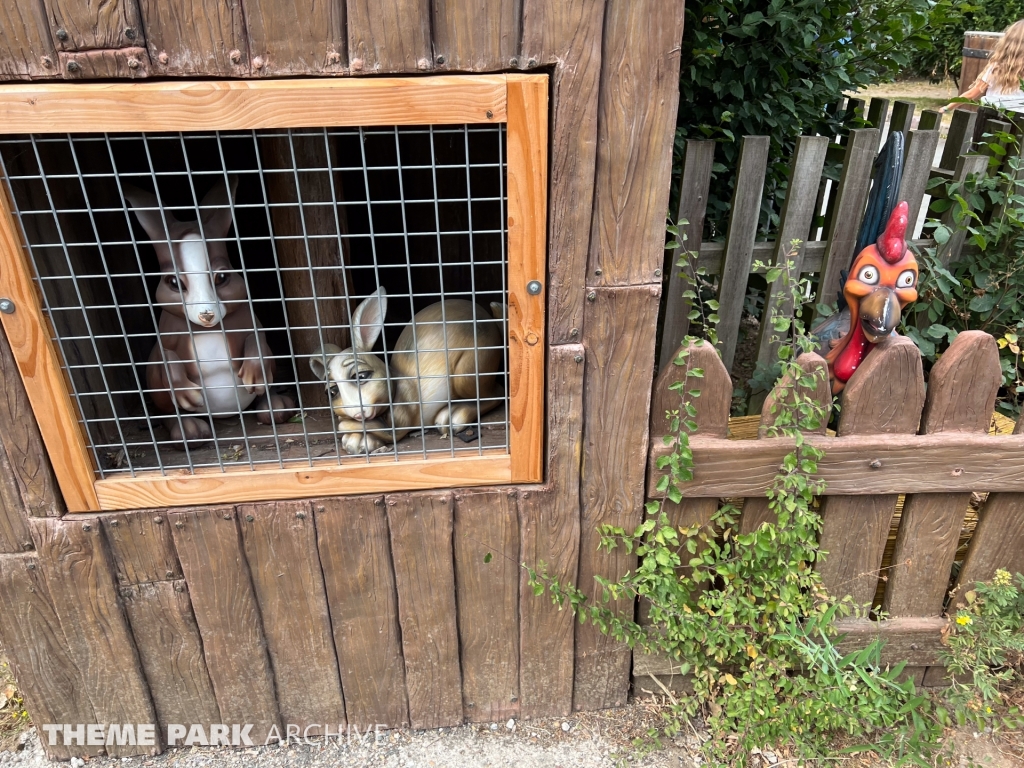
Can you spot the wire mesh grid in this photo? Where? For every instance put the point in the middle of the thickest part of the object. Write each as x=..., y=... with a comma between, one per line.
x=247, y=299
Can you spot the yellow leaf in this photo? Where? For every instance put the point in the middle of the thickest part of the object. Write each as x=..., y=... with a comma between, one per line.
x=751, y=651
x=729, y=679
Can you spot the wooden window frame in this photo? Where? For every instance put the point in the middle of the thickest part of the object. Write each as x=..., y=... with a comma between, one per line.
x=520, y=101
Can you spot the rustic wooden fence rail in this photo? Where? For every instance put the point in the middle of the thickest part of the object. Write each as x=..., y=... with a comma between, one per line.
x=892, y=439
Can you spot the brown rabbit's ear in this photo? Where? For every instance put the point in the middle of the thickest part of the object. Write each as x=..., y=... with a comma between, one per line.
x=498, y=310
x=216, y=208
x=368, y=320
x=321, y=358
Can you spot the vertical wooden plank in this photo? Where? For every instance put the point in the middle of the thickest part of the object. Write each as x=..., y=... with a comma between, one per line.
x=171, y=652
x=878, y=111
x=295, y=38
x=527, y=214
x=958, y=137
x=917, y=168
x=902, y=117
x=281, y=549
x=204, y=38
x=79, y=25
x=421, y=545
x=797, y=214
x=619, y=341
x=930, y=120
x=81, y=585
x=549, y=519
x=210, y=551
x=35, y=645
x=638, y=101
x=851, y=198
x=487, y=595
x=475, y=36
x=388, y=35
x=693, y=200
x=567, y=35
x=961, y=391
x=141, y=546
x=884, y=396
x=739, y=242
x=355, y=554
x=966, y=166
x=14, y=533
x=998, y=540
x=26, y=49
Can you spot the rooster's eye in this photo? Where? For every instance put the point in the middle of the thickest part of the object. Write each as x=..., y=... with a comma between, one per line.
x=868, y=275
x=906, y=279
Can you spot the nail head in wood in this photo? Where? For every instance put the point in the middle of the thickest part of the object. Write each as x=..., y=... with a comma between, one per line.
x=129, y=33
x=875, y=464
x=170, y=574
x=957, y=472
x=357, y=65
x=179, y=588
x=158, y=520
x=46, y=61
x=163, y=58
x=333, y=57
x=440, y=59
x=114, y=523
x=27, y=546
x=7, y=306
x=531, y=64
x=62, y=35
x=235, y=56
x=133, y=63
x=86, y=527
x=513, y=62
x=249, y=518
x=300, y=515
x=258, y=62
x=598, y=271
x=657, y=273
x=490, y=114
x=227, y=517
x=73, y=66
x=534, y=287
x=578, y=358
x=574, y=332
x=31, y=566
x=422, y=64
x=320, y=509
x=179, y=524
x=592, y=296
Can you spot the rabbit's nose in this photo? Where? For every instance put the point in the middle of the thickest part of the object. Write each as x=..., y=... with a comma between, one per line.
x=206, y=316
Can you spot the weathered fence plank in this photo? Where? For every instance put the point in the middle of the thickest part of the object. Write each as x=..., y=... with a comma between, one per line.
x=693, y=200
x=568, y=35
x=474, y=36
x=902, y=117
x=80, y=582
x=619, y=341
x=549, y=520
x=39, y=653
x=885, y=396
x=120, y=63
x=141, y=546
x=14, y=533
x=998, y=539
x=284, y=40
x=958, y=138
x=355, y=555
x=739, y=242
x=487, y=594
x=26, y=49
x=80, y=26
x=421, y=546
x=388, y=36
x=851, y=198
x=639, y=96
x=917, y=641
x=930, y=120
x=280, y=546
x=917, y=167
x=196, y=38
x=210, y=550
x=961, y=390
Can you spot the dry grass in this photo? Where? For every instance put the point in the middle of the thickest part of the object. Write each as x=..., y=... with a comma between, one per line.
x=13, y=716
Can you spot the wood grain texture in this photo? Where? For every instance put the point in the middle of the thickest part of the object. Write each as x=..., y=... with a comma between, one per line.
x=355, y=554
x=917, y=169
x=693, y=199
x=378, y=474
x=884, y=396
x=119, y=63
x=619, y=339
x=225, y=607
x=14, y=533
x=81, y=585
x=962, y=389
x=797, y=214
x=487, y=595
x=549, y=520
x=34, y=642
x=475, y=36
x=739, y=242
x=639, y=96
x=26, y=49
x=958, y=137
x=388, y=36
x=421, y=546
x=19, y=434
x=715, y=389
x=568, y=35
x=917, y=641
x=187, y=38
x=28, y=336
x=858, y=465
x=288, y=37
x=998, y=540
x=901, y=118
x=851, y=197
x=527, y=101
x=930, y=120
x=243, y=105
x=94, y=24
x=142, y=547
x=281, y=549
x=171, y=652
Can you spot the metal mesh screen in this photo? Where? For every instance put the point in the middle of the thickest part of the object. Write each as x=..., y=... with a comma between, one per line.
x=246, y=299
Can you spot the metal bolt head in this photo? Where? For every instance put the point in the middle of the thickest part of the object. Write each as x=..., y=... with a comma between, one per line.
x=657, y=273
x=249, y=518
x=179, y=524
x=170, y=574
x=158, y=520
x=592, y=296
x=875, y=464
x=133, y=63
x=423, y=64
x=513, y=62
x=227, y=517
x=31, y=566
x=531, y=63
x=179, y=588
x=235, y=56
x=114, y=523
x=27, y=546
x=258, y=62
x=578, y=358
x=441, y=59
x=534, y=287
x=599, y=271
x=490, y=114
x=46, y=61
x=7, y=306
x=574, y=332
x=86, y=527
x=62, y=35
x=300, y=515
x=73, y=66
x=333, y=57
x=129, y=33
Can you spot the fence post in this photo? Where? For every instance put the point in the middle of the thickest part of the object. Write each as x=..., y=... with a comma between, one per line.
x=917, y=168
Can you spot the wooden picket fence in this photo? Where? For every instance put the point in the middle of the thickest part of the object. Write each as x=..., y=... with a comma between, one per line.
x=895, y=438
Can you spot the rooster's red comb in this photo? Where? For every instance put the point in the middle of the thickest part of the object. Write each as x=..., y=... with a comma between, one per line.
x=892, y=242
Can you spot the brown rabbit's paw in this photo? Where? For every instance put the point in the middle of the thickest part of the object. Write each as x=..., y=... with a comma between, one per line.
x=196, y=433
x=457, y=419
x=278, y=409
x=356, y=443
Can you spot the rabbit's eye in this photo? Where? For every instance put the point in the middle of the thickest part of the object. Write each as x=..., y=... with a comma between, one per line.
x=220, y=278
x=364, y=375
x=332, y=390
x=172, y=281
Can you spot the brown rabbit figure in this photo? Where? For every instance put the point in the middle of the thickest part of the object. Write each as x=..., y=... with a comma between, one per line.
x=424, y=381
x=211, y=359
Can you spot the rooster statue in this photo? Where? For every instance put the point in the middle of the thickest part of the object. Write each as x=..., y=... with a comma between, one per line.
x=881, y=282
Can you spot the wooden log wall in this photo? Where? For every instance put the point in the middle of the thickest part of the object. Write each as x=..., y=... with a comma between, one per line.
x=209, y=611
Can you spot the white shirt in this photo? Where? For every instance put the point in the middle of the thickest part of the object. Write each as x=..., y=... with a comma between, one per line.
x=1012, y=99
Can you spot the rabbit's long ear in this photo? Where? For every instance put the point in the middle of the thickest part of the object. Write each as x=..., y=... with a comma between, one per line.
x=368, y=320
x=152, y=220
x=318, y=362
x=216, y=208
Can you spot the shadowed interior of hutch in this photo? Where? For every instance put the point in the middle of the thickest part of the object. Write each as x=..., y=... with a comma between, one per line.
x=319, y=220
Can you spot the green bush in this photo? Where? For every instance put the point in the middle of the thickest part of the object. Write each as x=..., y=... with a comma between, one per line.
x=948, y=21
x=769, y=68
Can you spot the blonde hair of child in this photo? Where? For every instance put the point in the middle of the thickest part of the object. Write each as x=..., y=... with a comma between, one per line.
x=1008, y=59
